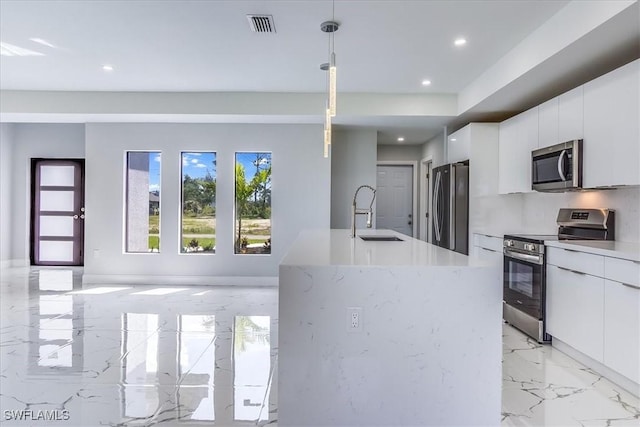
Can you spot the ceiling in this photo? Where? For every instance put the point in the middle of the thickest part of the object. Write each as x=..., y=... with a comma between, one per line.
x=207, y=46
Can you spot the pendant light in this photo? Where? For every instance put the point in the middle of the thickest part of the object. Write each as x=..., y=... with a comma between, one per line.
x=330, y=27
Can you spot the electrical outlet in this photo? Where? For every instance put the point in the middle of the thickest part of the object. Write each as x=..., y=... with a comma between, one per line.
x=354, y=319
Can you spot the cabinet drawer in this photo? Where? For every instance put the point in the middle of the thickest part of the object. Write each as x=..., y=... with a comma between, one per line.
x=489, y=242
x=622, y=270
x=576, y=261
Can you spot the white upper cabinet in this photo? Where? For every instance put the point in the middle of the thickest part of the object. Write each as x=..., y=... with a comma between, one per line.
x=518, y=138
x=611, y=128
x=483, y=159
x=458, y=145
x=571, y=115
x=561, y=119
x=548, y=123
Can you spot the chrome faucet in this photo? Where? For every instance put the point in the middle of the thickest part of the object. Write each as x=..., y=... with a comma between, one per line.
x=355, y=211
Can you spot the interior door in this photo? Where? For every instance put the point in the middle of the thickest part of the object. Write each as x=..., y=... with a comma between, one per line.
x=57, y=213
x=394, y=195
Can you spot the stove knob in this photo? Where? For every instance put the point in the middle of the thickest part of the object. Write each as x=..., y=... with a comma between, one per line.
x=508, y=243
x=530, y=247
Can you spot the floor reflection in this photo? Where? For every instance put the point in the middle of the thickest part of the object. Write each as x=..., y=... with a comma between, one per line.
x=252, y=366
x=196, y=362
x=137, y=355
x=55, y=280
x=55, y=345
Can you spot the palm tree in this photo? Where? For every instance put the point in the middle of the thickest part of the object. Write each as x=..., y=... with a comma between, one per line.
x=244, y=190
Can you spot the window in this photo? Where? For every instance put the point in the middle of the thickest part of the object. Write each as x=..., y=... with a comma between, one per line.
x=198, y=225
x=143, y=202
x=253, y=203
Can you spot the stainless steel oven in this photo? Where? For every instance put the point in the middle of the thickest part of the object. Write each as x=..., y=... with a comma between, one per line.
x=524, y=284
x=558, y=167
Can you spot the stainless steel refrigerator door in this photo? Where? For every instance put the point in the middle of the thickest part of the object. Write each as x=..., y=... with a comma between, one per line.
x=441, y=206
x=460, y=217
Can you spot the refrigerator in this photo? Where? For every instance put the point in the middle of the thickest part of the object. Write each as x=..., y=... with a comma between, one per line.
x=450, y=207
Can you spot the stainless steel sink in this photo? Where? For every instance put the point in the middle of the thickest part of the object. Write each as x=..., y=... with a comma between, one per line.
x=381, y=238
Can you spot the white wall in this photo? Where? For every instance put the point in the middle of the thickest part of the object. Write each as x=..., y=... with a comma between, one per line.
x=300, y=197
x=434, y=148
x=6, y=151
x=353, y=163
x=48, y=141
x=399, y=153
x=535, y=213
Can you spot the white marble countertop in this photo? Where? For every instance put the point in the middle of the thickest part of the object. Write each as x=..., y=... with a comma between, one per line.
x=337, y=248
x=615, y=249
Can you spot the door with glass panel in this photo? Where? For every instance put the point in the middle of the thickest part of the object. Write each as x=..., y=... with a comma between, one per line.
x=57, y=217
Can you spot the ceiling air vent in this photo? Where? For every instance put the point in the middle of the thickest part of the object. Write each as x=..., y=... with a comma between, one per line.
x=261, y=23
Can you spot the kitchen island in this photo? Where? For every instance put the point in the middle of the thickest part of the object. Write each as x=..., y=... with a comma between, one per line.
x=425, y=348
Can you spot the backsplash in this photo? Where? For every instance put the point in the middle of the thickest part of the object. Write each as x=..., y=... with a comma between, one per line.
x=536, y=213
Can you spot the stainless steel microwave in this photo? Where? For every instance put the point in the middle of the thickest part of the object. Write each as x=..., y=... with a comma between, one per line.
x=558, y=167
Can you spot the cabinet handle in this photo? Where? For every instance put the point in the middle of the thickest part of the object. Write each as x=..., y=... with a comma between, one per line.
x=570, y=250
x=572, y=271
x=628, y=285
x=487, y=249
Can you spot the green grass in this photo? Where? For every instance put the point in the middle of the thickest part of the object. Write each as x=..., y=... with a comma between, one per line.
x=198, y=225
x=154, y=242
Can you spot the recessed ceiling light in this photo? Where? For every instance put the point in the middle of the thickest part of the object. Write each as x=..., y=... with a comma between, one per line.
x=453, y=139
x=401, y=139
x=426, y=82
x=461, y=41
x=107, y=67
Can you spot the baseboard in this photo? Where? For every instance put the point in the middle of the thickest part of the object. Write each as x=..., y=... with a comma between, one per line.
x=133, y=279
x=606, y=372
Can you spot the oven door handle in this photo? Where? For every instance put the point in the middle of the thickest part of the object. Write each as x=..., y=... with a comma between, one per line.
x=561, y=165
x=536, y=259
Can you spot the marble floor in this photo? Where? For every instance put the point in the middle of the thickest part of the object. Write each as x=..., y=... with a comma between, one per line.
x=145, y=355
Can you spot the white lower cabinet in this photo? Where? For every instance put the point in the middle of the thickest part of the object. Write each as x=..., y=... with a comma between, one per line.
x=575, y=310
x=622, y=328
x=489, y=255
x=488, y=248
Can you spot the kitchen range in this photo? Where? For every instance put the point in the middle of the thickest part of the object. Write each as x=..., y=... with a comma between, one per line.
x=525, y=267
